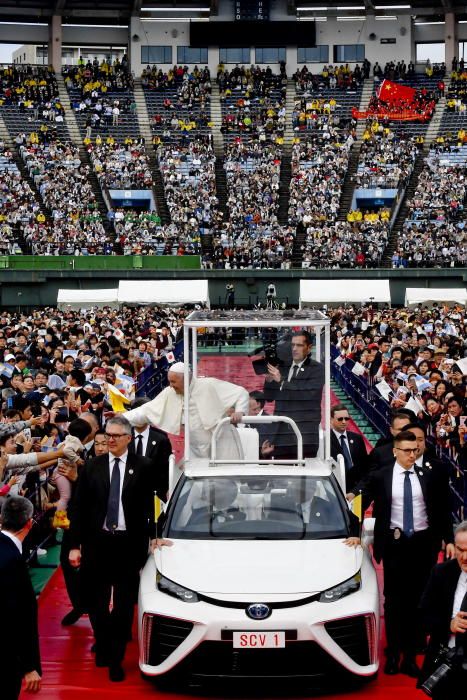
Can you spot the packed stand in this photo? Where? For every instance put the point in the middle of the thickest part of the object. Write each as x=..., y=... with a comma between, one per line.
x=270, y=247
x=188, y=174
x=18, y=204
x=178, y=102
x=253, y=101
x=453, y=122
x=63, y=184
x=416, y=359
x=434, y=235
x=120, y=166
x=386, y=158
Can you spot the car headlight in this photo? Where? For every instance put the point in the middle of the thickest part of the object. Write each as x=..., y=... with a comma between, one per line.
x=174, y=589
x=342, y=589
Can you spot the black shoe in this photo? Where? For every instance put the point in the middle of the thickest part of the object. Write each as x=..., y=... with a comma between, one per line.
x=391, y=667
x=409, y=667
x=101, y=660
x=116, y=673
x=71, y=617
x=93, y=648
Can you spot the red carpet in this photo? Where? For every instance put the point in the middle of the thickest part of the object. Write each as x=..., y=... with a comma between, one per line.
x=68, y=665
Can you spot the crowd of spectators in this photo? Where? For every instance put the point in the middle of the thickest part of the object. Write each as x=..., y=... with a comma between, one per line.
x=56, y=366
x=386, y=158
x=332, y=77
x=33, y=89
x=121, y=166
x=434, y=233
x=253, y=101
x=188, y=173
x=416, y=358
x=66, y=191
x=99, y=76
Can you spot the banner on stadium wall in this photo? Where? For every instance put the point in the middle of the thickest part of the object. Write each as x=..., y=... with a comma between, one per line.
x=405, y=115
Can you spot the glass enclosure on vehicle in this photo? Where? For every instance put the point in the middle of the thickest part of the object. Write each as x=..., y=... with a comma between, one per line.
x=252, y=378
x=258, y=507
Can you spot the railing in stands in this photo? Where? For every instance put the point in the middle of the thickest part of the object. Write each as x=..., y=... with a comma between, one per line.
x=378, y=412
x=41, y=532
x=153, y=379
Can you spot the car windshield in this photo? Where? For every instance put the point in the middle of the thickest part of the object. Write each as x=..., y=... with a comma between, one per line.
x=259, y=507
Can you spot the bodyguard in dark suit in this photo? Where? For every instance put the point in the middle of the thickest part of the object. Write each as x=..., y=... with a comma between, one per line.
x=297, y=392
x=154, y=444
x=19, y=640
x=412, y=517
x=112, y=523
x=350, y=445
x=443, y=610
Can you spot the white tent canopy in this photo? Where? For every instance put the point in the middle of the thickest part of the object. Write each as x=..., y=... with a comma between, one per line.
x=424, y=295
x=170, y=292
x=344, y=291
x=86, y=298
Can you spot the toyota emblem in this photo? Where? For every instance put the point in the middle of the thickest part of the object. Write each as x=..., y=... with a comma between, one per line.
x=258, y=611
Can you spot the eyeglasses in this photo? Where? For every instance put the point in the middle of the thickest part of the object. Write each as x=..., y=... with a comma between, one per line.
x=408, y=450
x=343, y=418
x=115, y=436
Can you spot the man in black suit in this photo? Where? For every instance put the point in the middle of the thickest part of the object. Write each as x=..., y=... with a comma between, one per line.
x=443, y=610
x=297, y=392
x=382, y=454
x=19, y=641
x=112, y=522
x=411, y=506
x=154, y=444
x=350, y=445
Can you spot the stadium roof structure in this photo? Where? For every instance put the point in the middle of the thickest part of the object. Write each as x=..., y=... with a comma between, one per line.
x=118, y=11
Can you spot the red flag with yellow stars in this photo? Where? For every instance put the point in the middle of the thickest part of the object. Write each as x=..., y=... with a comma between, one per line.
x=394, y=92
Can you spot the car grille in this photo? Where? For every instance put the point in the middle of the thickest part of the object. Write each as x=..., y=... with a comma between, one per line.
x=350, y=634
x=166, y=634
x=298, y=659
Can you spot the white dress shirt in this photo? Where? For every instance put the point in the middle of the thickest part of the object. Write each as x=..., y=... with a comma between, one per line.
x=461, y=590
x=145, y=438
x=420, y=518
x=122, y=466
x=14, y=539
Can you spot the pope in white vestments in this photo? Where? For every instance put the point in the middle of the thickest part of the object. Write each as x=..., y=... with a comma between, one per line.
x=210, y=400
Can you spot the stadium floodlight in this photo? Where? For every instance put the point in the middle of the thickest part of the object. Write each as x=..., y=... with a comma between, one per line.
x=393, y=7
x=428, y=22
x=312, y=19
x=312, y=9
x=355, y=18
x=98, y=26
x=350, y=7
x=175, y=9
x=387, y=18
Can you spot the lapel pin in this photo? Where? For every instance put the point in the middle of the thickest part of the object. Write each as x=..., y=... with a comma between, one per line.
x=351, y=442
x=130, y=471
x=420, y=473
x=153, y=442
x=318, y=514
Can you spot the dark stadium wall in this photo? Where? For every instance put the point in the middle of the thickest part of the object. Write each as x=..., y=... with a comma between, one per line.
x=32, y=289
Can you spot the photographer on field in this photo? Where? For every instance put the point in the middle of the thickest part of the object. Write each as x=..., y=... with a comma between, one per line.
x=443, y=610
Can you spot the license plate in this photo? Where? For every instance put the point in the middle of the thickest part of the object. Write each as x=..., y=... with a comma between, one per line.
x=259, y=640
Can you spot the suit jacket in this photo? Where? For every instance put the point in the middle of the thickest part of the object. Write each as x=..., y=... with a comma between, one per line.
x=358, y=453
x=158, y=450
x=436, y=608
x=434, y=483
x=89, y=505
x=299, y=399
x=19, y=642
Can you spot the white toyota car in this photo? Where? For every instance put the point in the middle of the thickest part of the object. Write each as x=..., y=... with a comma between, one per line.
x=259, y=582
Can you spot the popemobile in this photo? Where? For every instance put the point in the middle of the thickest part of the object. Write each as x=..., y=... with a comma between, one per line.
x=259, y=579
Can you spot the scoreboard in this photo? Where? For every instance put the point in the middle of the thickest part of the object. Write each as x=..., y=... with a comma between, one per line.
x=251, y=10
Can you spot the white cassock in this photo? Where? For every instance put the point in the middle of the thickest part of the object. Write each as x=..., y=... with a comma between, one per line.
x=210, y=399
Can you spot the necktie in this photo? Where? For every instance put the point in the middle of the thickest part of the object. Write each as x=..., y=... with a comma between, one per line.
x=407, y=523
x=295, y=369
x=346, y=454
x=113, y=504
x=139, y=446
